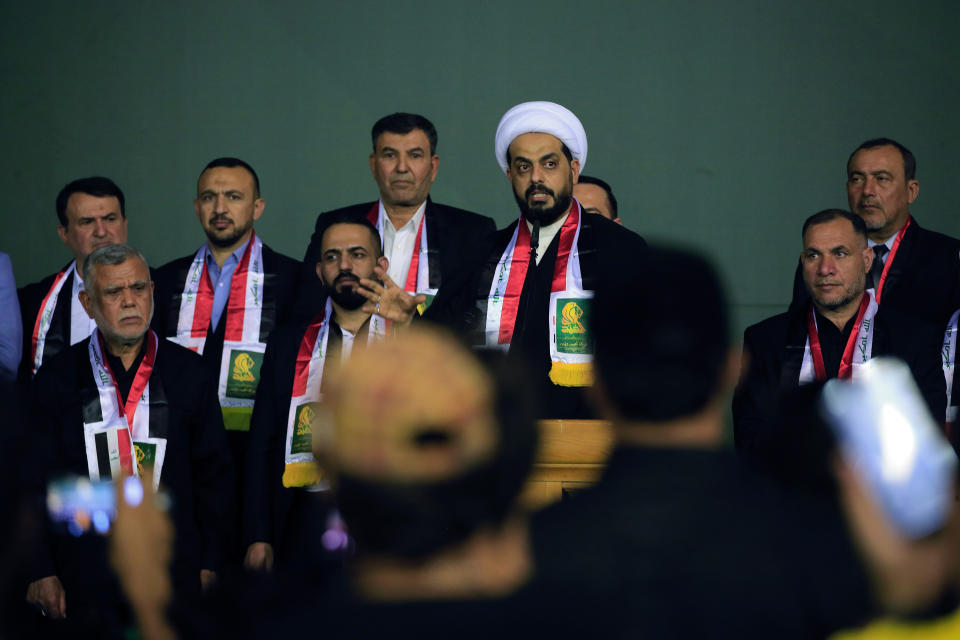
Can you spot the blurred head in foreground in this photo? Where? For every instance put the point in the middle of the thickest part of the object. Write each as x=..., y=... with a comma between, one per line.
x=662, y=346
x=424, y=446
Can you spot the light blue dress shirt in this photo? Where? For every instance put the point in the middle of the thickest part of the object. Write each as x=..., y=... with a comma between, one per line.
x=221, y=277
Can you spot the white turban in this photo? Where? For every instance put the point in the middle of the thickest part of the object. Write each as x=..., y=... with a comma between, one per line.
x=540, y=117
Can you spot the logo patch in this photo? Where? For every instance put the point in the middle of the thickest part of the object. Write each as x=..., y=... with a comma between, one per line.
x=244, y=374
x=146, y=453
x=303, y=428
x=573, y=335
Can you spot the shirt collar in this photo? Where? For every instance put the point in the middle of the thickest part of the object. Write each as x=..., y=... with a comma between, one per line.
x=415, y=220
x=237, y=255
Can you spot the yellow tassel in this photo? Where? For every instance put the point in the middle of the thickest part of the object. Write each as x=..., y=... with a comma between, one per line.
x=301, y=474
x=571, y=374
x=236, y=418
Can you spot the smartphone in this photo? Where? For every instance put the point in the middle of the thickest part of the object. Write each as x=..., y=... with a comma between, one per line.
x=79, y=506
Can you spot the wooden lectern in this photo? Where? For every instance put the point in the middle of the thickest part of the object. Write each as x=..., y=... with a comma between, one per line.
x=571, y=456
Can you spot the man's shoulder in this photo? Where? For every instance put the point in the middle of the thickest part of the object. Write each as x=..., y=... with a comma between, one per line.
x=175, y=266
x=41, y=287
x=62, y=367
x=279, y=262
x=769, y=329
x=933, y=244
x=459, y=215
x=607, y=231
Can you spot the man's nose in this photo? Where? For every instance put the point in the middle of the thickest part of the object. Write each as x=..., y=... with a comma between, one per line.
x=221, y=204
x=827, y=266
x=869, y=185
x=536, y=174
x=127, y=297
x=100, y=230
x=401, y=164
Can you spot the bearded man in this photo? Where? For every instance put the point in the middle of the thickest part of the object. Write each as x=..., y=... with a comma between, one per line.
x=300, y=362
x=531, y=295
x=224, y=300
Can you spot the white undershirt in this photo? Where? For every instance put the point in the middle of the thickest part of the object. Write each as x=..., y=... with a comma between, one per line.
x=398, y=244
x=547, y=233
x=81, y=325
x=347, y=347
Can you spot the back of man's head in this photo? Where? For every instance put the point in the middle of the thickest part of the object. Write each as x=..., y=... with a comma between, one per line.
x=424, y=445
x=662, y=338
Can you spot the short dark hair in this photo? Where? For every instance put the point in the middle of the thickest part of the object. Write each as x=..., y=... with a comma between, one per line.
x=859, y=226
x=404, y=123
x=603, y=185
x=96, y=186
x=563, y=147
x=231, y=163
x=909, y=160
x=343, y=217
x=661, y=349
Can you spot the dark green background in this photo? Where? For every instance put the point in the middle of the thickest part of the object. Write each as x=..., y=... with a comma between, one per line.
x=721, y=125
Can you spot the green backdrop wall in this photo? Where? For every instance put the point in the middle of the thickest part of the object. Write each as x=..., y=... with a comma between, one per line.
x=721, y=125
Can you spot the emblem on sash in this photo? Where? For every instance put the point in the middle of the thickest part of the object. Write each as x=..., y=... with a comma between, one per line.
x=303, y=428
x=146, y=455
x=244, y=374
x=574, y=315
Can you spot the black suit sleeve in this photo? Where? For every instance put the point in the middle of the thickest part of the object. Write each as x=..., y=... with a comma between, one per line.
x=212, y=475
x=264, y=463
x=755, y=400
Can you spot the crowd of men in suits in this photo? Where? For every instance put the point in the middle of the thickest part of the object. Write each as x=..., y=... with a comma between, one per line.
x=230, y=429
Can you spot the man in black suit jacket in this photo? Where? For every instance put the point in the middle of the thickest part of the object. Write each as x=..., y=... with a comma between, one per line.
x=169, y=419
x=834, y=334
x=918, y=272
x=427, y=244
x=91, y=214
x=224, y=300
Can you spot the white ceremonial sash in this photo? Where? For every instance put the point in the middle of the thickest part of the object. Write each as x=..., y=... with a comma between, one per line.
x=949, y=357
x=498, y=291
x=45, y=316
x=300, y=468
x=109, y=439
x=571, y=344
x=419, y=256
x=862, y=350
x=242, y=347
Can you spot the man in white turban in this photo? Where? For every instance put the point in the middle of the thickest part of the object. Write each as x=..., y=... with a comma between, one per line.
x=531, y=297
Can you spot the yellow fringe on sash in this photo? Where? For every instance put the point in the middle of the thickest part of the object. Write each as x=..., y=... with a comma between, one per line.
x=236, y=418
x=301, y=474
x=571, y=374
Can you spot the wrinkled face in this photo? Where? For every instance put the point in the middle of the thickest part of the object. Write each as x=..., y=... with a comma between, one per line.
x=92, y=223
x=878, y=191
x=541, y=176
x=835, y=262
x=594, y=199
x=347, y=254
x=122, y=301
x=403, y=167
x=227, y=205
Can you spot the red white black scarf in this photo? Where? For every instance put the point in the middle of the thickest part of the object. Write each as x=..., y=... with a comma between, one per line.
x=119, y=444
x=41, y=325
x=571, y=344
x=858, y=351
x=242, y=348
x=300, y=470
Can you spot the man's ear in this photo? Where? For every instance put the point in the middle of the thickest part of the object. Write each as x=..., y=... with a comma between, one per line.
x=575, y=169
x=868, y=256
x=319, y=271
x=383, y=263
x=87, y=302
x=62, y=232
x=913, y=190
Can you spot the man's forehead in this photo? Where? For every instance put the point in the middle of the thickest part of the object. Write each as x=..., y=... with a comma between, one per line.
x=84, y=204
x=345, y=236
x=128, y=271
x=535, y=145
x=410, y=140
x=833, y=233
x=885, y=157
x=224, y=178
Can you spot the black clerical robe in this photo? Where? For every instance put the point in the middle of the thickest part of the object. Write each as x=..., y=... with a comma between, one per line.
x=604, y=248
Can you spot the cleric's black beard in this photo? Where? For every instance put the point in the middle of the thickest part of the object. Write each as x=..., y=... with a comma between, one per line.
x=544, y=215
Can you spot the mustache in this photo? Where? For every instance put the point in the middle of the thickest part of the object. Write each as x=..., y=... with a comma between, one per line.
x=539, y=188
x=346, y=276
x=217, y=217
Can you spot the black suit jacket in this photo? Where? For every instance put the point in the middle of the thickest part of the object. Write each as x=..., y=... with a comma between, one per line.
x=31, y=297
x=923, y=281
x=454, y=238
x=197, y=471
x=267, y=503
x=774, y=349
x=605, y=247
